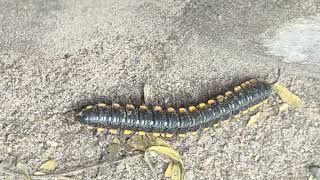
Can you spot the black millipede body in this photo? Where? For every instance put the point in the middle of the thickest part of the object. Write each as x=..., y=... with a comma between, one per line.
x=244, y=98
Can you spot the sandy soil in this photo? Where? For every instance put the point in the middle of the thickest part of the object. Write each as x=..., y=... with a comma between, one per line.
x=58, y=55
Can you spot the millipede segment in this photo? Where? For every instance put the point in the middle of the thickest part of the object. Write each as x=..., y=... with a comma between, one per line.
x=129, y=119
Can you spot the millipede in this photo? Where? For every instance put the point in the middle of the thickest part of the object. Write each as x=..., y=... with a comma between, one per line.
x=242, y=100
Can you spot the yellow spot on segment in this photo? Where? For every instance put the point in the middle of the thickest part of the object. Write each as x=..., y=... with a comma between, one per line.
x=113, y=131
x=100, y=130
x=143, y=107
x=142, y=133
x=169, y=135
x=211, y=101
x=253, y=81
x=265, y=101
x=171, y=110
x=244, y=85
x=181, y=135
x=182, y=110
x=228, y=93
x=237, y=89
x=130, y=106
x=155, y=134
x=157, y=108
x=205, y=129
x=102, y=105
x=89, y=107
x=244, y=112
x=192, y=108
x=116, y=105
x=127, y=132
x=194, y=133
x=163, y=134
x=202, y=105
x=248, y=83
x=220, y=98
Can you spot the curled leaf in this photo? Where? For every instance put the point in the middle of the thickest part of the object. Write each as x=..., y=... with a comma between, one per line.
x=173, y=154
x=49, y=165
x=286, y=95
x=177, y=171
x=169, y=170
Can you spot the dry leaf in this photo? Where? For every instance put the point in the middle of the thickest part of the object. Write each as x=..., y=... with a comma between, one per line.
x=253, y=119
x=173, y=154
x=113, y=150
x=24, y=170
x=176, y=171
x=169, y=170
x=286, y=95
x=38, y=173
x=49, y=165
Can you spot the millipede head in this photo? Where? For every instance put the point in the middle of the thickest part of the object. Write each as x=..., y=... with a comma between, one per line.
x=143, y=107
x=157, y=108
x=116, y=105
x=220, y=98
x=182, y=110
x=202, y=105
x=192, y=108
x=101, y=105
x=211, y=102
x=171, y=110
x=130, y=106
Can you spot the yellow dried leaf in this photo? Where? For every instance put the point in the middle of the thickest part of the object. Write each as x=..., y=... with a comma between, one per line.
x=49, y=165
x=173, y=154
x=38, y=173
x=157, y=141
x=253, y=119
x=24, y=170
x=169, y=170
x=286, y=95
x=176, y=171
x=113, y=150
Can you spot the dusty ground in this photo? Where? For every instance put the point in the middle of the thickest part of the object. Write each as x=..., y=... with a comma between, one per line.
x=56, y=55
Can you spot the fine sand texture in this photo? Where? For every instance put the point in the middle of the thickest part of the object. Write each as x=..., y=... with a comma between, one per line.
x=56, y=56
